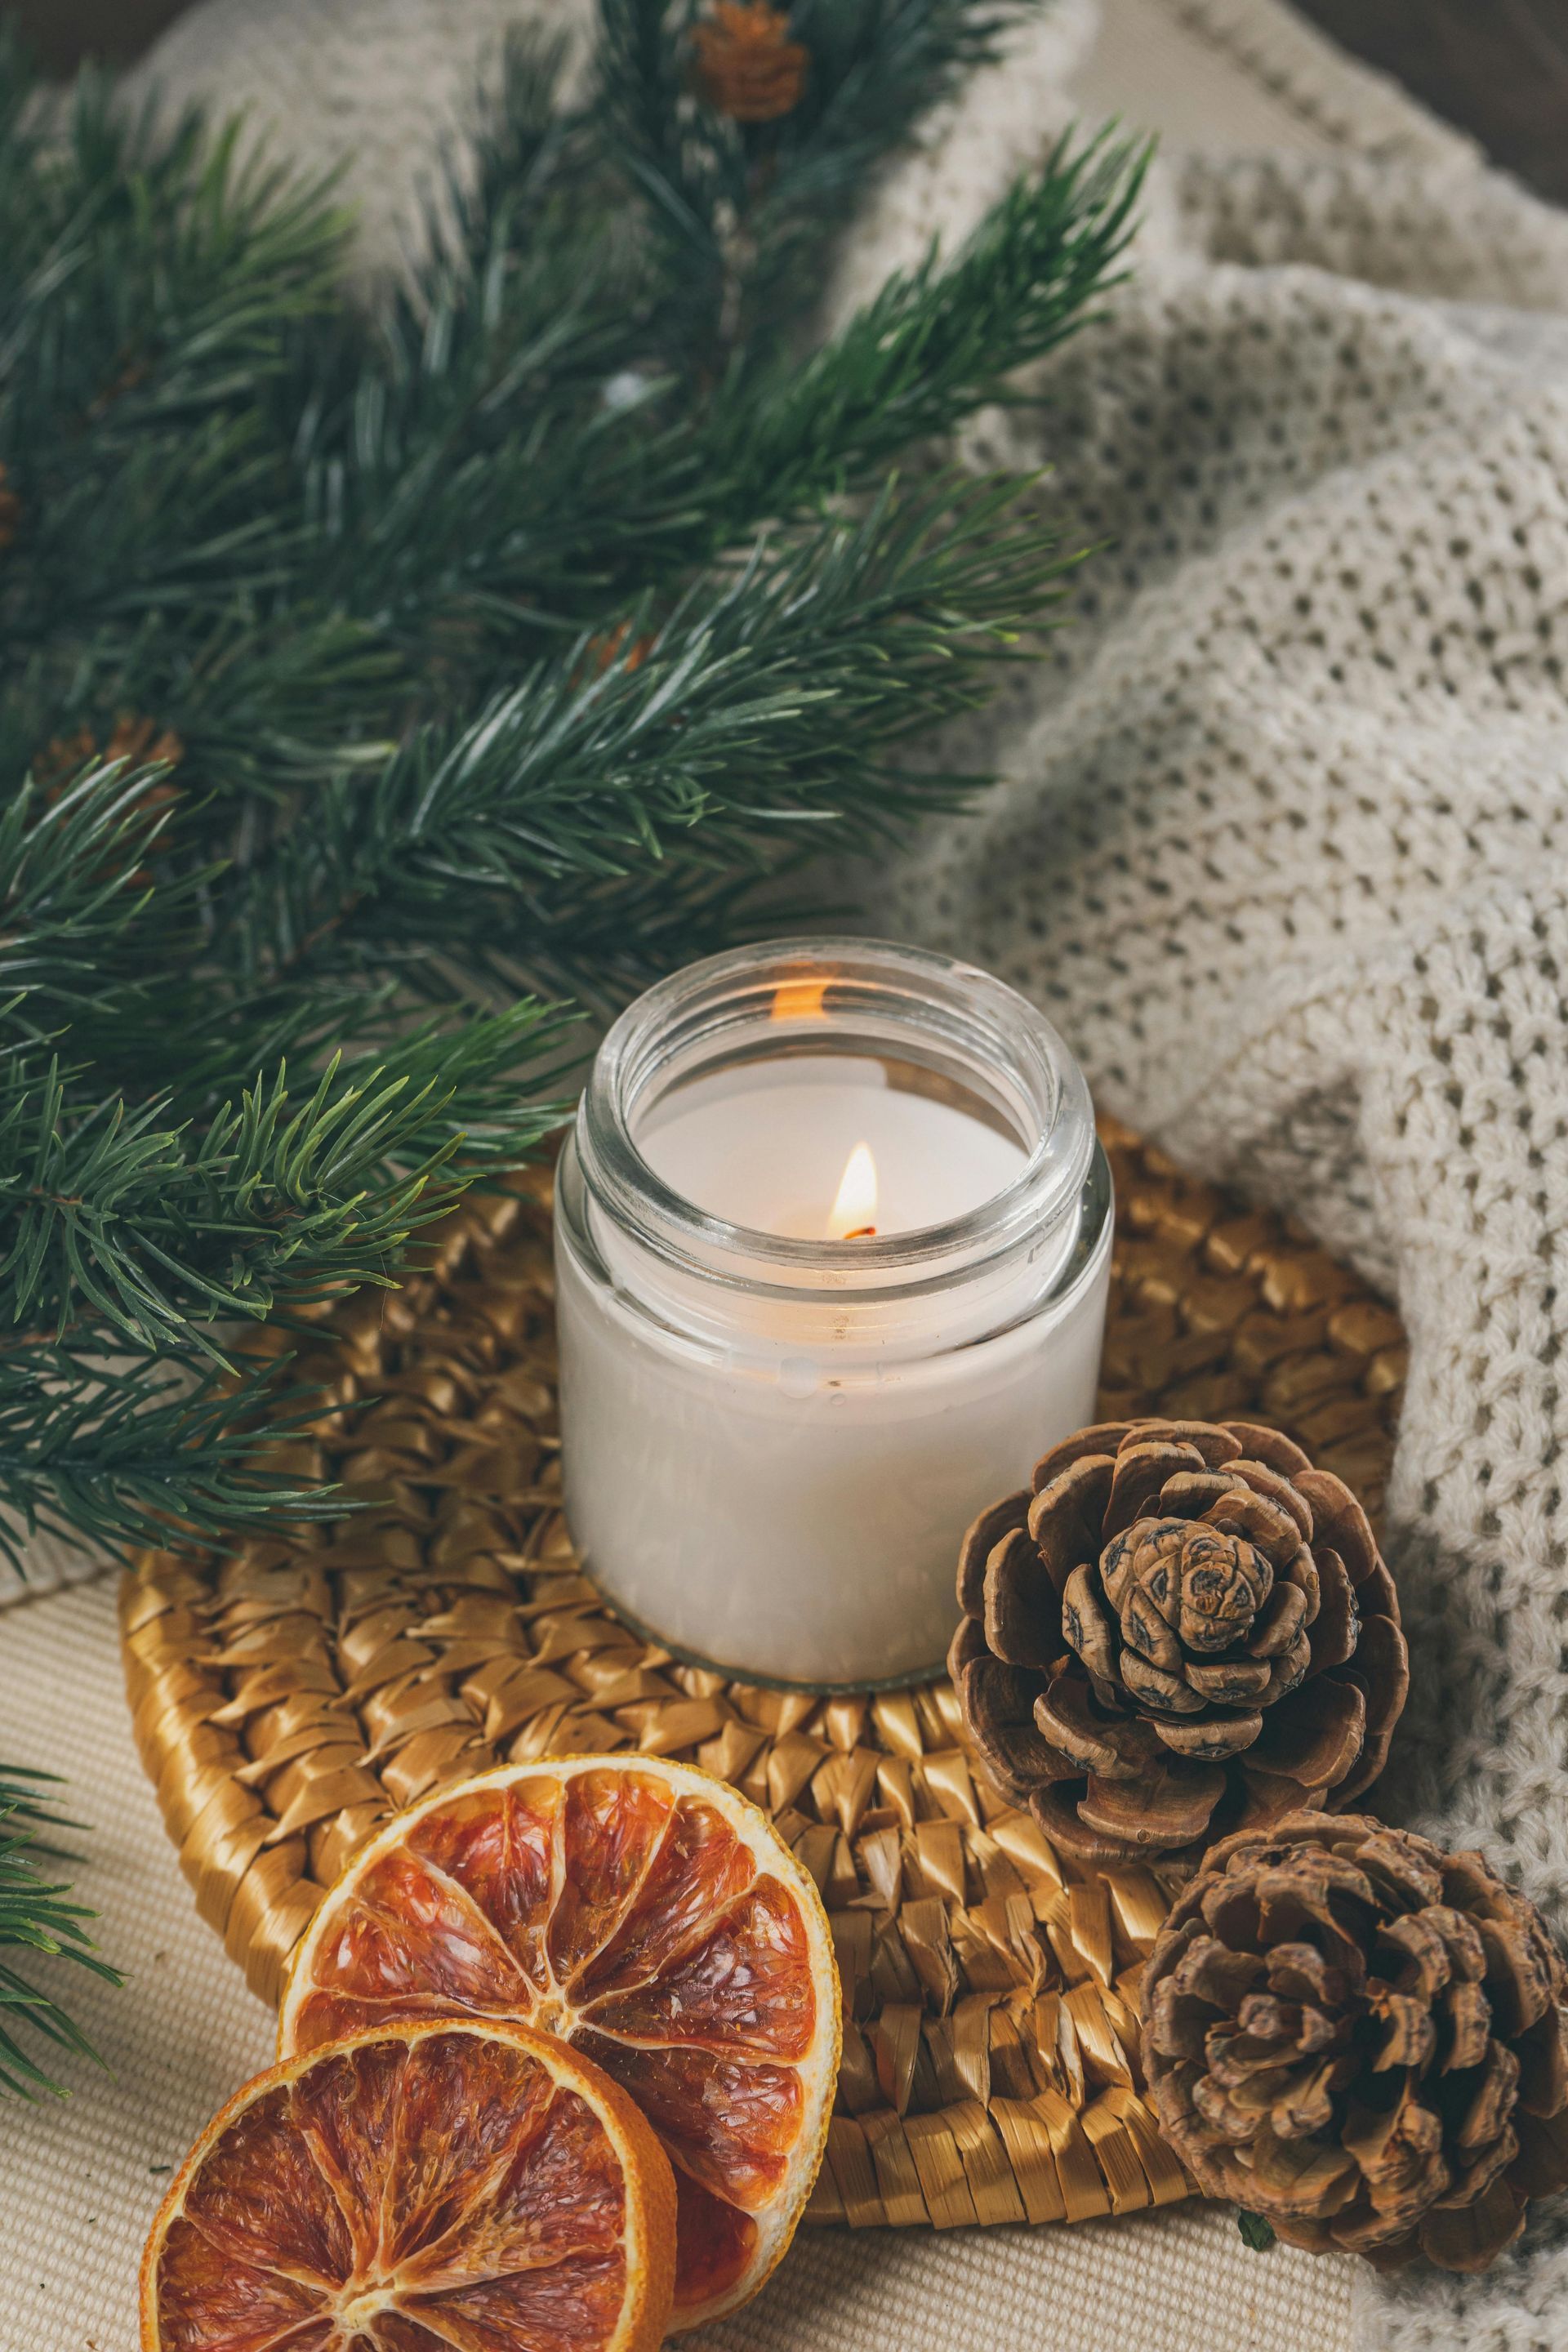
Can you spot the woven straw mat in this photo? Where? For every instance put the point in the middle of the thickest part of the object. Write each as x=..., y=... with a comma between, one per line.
x=288, y=1698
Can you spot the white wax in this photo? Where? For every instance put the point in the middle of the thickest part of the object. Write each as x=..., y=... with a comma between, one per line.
x=798, y=1517
x=777, y=1480
x=766, y=1147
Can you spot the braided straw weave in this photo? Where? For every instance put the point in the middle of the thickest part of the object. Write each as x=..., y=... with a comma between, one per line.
x=286, y=1699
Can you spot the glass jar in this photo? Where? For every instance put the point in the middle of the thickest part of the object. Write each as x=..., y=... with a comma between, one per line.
x=776, y=1424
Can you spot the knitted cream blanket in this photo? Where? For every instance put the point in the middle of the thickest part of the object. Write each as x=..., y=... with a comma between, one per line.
x=1283, y=849
x=1280, y=845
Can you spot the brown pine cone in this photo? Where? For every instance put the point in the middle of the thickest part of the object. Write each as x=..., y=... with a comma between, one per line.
x=746, y=65
x=1186, y=1630
x=1358, y=2036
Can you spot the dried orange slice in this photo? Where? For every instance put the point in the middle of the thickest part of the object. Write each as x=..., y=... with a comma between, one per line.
x=644, y=1912
x=456, y=2186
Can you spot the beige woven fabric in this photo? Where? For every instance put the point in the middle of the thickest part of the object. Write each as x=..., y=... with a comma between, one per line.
x=1300, y=916
x=1282, y=844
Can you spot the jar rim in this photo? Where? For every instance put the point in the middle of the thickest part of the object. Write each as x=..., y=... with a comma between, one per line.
x=911, y=996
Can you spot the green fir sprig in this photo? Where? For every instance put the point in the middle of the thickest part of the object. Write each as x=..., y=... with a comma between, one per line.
x=388, y=680
x=37, y=1919
x=478, y=652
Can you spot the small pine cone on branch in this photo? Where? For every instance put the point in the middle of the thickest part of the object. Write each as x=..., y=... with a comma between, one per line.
x=745, y=64
x=1186, y=1630
x=1359, y=2036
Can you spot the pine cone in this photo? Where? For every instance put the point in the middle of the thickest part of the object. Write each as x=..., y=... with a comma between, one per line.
x=747, y=67
x=1186, y=1630
x=1358, y=2036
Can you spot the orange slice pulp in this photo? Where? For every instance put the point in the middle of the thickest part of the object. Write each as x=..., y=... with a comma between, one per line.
x=648, y=1915
x=449, y=2187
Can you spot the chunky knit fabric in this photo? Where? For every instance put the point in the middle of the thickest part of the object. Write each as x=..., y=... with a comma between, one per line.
x=1282, y=842
x=1282, y=845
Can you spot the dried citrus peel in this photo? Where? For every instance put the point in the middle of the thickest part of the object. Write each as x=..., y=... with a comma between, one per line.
x=445, y=2186
x=651, y=1916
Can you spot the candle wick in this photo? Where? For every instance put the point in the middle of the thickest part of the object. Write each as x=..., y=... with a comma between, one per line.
x=861, y=1233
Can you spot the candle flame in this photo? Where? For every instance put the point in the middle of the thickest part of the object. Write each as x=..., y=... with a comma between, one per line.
x=799, y=999
x=854, y=1217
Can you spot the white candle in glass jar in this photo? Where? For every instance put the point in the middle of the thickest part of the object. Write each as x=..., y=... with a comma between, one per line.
x=833, y=1244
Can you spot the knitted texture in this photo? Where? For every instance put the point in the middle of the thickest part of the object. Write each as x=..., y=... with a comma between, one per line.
x=1281, y=845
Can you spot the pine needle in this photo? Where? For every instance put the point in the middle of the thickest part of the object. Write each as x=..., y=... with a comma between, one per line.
x=36, y=1917
x=382, y=687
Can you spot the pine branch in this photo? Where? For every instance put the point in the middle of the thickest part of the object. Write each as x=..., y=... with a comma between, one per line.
x=71, y=884
x=466, y=487
x=153, y=280
x=943, y=339
x=155, y=1232
x=593, y=506
x=736, y=213
x=503, y=643
x=524, y=306
x=764, y=703
x=36, y=1917
x=152, y=277
x=128, y=1449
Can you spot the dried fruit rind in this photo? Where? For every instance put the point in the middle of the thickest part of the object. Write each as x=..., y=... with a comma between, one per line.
x=651, y=1916
x=451, y=2181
